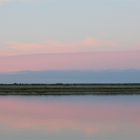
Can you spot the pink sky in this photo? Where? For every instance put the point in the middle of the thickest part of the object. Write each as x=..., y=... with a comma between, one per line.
x=90, y=44
x=86, y=54
x=71, y=61
x=92, y=35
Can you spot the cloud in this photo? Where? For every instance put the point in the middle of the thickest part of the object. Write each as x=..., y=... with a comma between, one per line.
x=90, y=44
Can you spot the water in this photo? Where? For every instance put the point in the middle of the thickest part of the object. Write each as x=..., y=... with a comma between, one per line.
x=70, y=118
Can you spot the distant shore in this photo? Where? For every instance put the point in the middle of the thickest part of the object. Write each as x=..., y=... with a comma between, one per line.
x=69, y=89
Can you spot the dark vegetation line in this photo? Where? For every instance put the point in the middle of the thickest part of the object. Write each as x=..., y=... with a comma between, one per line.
x=90, y=84
x=70, y=89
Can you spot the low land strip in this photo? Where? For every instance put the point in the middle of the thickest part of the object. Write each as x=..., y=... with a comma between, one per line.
x=69, y=89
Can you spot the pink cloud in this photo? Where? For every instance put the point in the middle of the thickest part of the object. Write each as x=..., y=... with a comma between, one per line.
x=90, y=42
x=85, y=45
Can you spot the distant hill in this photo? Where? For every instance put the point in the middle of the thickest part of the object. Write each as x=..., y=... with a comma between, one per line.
x=112, y=76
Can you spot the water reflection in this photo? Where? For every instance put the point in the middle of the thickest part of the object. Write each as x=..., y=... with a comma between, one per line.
x=83, y=117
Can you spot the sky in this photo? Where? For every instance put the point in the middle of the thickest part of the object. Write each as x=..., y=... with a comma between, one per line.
x=69, y=35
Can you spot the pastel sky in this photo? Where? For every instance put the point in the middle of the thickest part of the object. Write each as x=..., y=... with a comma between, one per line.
x=47, y=27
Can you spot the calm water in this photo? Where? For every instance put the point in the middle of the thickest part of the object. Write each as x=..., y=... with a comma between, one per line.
x=70, y=118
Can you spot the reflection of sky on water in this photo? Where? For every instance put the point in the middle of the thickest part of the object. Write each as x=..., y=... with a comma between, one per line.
x=72, y=117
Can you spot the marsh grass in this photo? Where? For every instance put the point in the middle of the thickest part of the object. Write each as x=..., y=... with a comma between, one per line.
x=69, y=89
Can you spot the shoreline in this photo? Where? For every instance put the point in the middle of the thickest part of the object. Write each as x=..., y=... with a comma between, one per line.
x=69, y=89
